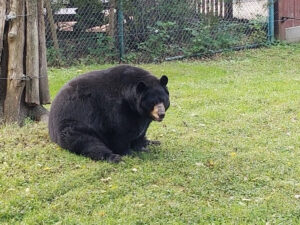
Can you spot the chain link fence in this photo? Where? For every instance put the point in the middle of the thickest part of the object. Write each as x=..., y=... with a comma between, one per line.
x=143, y=31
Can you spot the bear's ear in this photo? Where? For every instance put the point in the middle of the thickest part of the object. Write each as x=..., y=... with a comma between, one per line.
x=141, y=87
x=164, y=80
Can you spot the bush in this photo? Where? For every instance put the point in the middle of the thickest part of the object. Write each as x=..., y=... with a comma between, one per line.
x=105, y=50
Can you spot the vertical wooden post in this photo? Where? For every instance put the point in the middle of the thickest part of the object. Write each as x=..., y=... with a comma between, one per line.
x=221, y=8
x=15, y=84
x=2, y=70
x=207, y=7
x=211, y=7
x=2, y=23
x=21, y=61
x=43, y=81
x=32, y=96
x=216, y=8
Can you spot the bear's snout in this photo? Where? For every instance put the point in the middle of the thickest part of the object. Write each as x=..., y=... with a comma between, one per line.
x=158, y=112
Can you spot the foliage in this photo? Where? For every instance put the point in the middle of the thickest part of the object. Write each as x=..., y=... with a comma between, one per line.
x=229, y=155
x=104, y=50
x=171, y=28
x=142, y=17
x=211, y=37
x=258, y=31
x=157, y=45
x=158, y=29
x=54, y=56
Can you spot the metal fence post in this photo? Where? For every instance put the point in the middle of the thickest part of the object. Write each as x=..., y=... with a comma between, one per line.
x=271, y=21
x=121, y=30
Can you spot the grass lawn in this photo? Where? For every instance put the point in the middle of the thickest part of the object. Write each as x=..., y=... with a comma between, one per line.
x=230, y=153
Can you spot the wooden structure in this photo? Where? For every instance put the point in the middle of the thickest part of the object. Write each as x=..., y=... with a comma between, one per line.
x=220, y=8
x=23, y=74
x=287, y=20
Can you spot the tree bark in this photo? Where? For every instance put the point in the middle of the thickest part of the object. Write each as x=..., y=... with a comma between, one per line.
x=44, y=86
x=32, y=96
x=23, y=51
x=2, y=70
x=2, y=24
x=15, y=82
x=3, y=73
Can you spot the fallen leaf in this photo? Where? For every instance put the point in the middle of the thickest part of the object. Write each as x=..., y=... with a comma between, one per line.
x=113, y=187
x=233, y=154
x=199, y=164
x=101, y=213
x=210, y=163
x=105, y=179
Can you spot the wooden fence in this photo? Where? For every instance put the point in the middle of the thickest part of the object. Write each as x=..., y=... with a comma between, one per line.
x=220, y=8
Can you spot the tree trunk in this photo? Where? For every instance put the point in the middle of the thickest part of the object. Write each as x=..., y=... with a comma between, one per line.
x=44, y=87
x=32, y=96
x=15, y=82
x=23, y=73
x=2, y=23
x=2, y=70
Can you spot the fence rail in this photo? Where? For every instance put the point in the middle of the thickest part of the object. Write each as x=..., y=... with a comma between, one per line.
x=151, y=30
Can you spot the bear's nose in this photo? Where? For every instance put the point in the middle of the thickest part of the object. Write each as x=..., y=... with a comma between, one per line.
x=161, y=116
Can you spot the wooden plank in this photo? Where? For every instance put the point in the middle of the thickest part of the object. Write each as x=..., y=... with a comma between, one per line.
x=221, y=8
x=216, y=8
x=15, y=85
x=32, y=96
x=286, y=9
x=297, y=13
x=207, y=7
x=2, y=23
x=43, y=81
x=2, y=62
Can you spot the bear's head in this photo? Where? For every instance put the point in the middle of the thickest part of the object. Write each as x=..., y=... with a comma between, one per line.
x=154, y=99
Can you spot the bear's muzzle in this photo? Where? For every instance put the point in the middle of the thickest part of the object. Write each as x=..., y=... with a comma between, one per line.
x=158, y=112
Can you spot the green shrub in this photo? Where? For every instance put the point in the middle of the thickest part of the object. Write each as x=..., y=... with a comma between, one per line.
x=104, y=50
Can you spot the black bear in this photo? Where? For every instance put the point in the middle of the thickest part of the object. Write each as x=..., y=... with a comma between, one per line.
x=105, y=114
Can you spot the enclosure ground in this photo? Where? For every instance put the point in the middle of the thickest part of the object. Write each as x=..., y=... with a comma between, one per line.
x=230, y=153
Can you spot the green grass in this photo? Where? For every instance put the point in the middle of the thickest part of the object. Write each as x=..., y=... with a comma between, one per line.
x=230, y=153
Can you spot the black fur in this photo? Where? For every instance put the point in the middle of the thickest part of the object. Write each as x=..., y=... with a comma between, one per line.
x=104, y=114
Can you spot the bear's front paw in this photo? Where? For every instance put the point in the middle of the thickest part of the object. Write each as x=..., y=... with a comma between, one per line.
x=114, y=158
